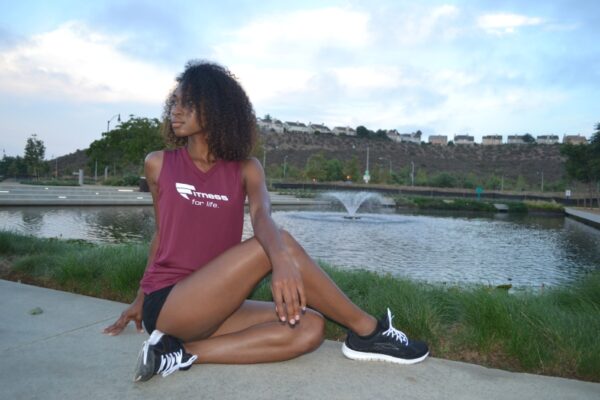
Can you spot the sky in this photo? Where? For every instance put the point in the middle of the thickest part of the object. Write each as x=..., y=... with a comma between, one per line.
x=68, y=67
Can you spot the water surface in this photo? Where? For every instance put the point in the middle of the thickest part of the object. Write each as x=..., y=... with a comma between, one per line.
x=434, y=247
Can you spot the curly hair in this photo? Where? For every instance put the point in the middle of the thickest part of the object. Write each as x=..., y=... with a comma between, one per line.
x=222, y=107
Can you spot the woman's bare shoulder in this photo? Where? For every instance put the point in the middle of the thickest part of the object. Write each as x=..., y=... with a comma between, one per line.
x=153, y=164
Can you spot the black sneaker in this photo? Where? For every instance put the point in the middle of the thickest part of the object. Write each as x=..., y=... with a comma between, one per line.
x=161, y=354
x=386, y=344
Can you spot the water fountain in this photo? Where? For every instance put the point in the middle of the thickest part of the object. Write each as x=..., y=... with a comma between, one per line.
x=353, y=200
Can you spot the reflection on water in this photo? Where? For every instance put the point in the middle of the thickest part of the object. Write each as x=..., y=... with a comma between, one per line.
x=434, y=247
x=97, y=224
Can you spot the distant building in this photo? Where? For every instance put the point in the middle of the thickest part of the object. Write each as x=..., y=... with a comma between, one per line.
x=491, y=140
x=441, y=140
x=270, y=126
x=464, y=140
x=574, y=139
x=414, y=137
x=547, y=139
x=296, y=127
x=393, y=135
x=344, y=130
x=320, y=128
x=516, y=139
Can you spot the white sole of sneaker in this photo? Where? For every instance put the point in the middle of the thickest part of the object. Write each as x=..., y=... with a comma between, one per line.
x=144, y=371
x=362, y=356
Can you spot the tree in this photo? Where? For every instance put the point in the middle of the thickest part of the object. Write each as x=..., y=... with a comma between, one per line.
x=34, y=155
x=315, y=167
x=527, y=138
x=352, y=170
x=12, y=166
x=363, y=132
x=583, y=162
x=334, y=170
x=126, y=146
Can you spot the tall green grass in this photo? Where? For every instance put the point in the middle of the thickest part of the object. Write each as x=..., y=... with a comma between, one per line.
x=554, y=331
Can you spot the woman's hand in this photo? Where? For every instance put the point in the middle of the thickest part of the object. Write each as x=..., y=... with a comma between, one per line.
x=131, y=313
x=288, y=290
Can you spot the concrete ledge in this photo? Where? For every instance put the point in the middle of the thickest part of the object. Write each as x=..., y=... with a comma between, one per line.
x=587, y=217
x=61, y=354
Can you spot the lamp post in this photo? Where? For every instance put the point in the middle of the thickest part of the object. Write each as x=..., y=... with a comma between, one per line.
x=117, y=116
x=367, y=177
x=284, y=165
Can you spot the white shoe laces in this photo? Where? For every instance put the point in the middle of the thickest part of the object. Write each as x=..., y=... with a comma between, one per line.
x=393, y=332
x=170, y=363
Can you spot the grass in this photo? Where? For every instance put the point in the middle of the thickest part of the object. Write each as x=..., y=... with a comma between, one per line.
x=552, y=332
x=429, y=203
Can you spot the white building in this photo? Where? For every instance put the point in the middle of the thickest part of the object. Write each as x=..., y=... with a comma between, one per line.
x=296, y=127
x=574, y=139
x=393, y=135
x=464, y=140
x=319, y=128
x=441, y=140
x=547, y=139
x=414, y=137
x=491, y=140
x=344, y=130
x=270, y=126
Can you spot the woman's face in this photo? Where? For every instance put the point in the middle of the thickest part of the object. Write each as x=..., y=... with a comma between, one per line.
x=184, y=118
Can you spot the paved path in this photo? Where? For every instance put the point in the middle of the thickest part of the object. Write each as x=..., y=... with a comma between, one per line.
x=61, y=354
x=14, y=194
x=588, y=217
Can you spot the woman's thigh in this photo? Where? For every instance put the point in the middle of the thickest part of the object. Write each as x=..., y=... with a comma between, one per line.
x=200, y=304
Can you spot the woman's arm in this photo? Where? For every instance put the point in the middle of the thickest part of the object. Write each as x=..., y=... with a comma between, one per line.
x=286, y=281
x=152, y=167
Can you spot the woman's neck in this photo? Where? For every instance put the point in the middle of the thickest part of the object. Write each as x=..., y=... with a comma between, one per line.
x=198, y=149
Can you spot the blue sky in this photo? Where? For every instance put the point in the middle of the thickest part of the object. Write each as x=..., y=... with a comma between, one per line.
x=444, y=67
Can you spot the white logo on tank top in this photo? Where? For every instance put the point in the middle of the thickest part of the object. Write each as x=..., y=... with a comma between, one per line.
x=186, y=191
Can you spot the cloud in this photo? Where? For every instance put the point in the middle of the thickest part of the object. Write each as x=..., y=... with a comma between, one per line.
x=296, y=37
x=76, y=63
x=505, y=23
x=423, y=24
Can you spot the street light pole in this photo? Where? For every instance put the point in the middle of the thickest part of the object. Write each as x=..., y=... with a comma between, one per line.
x=117, y=116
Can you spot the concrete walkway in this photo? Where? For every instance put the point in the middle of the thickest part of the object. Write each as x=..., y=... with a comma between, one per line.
x=15, y=194
x=61, y=354
x=591, y=218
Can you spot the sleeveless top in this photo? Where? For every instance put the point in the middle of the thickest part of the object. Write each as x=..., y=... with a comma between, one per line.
x=201, y=214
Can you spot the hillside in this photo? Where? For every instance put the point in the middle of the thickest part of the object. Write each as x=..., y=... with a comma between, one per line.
x=510, y=161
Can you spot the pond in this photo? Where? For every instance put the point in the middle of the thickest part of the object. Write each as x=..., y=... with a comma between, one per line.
x=526, y=251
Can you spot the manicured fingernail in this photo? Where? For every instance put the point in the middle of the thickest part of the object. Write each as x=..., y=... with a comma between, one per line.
x=283, y=319
x=303, y=308
x=292, y=321
x=297, y=317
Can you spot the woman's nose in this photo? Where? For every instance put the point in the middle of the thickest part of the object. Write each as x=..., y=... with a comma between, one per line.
x=176, y=110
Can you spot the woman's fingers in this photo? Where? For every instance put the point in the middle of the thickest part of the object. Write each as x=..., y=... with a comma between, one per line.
x=118, y=326
x=278, y=299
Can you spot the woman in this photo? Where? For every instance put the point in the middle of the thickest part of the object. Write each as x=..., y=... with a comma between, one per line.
x=192, y=297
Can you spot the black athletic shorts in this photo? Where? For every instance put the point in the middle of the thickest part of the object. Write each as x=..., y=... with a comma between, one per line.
x=153, y=303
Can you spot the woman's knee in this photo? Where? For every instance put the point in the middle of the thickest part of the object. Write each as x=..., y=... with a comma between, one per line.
x=312, y=333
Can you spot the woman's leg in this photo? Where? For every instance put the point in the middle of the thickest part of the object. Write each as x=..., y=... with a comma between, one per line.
x=208, y=309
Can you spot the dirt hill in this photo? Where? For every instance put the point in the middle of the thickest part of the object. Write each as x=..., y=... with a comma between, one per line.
x=510, y=161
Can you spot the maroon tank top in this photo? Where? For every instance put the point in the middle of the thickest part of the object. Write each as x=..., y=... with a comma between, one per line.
x=201, y=214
